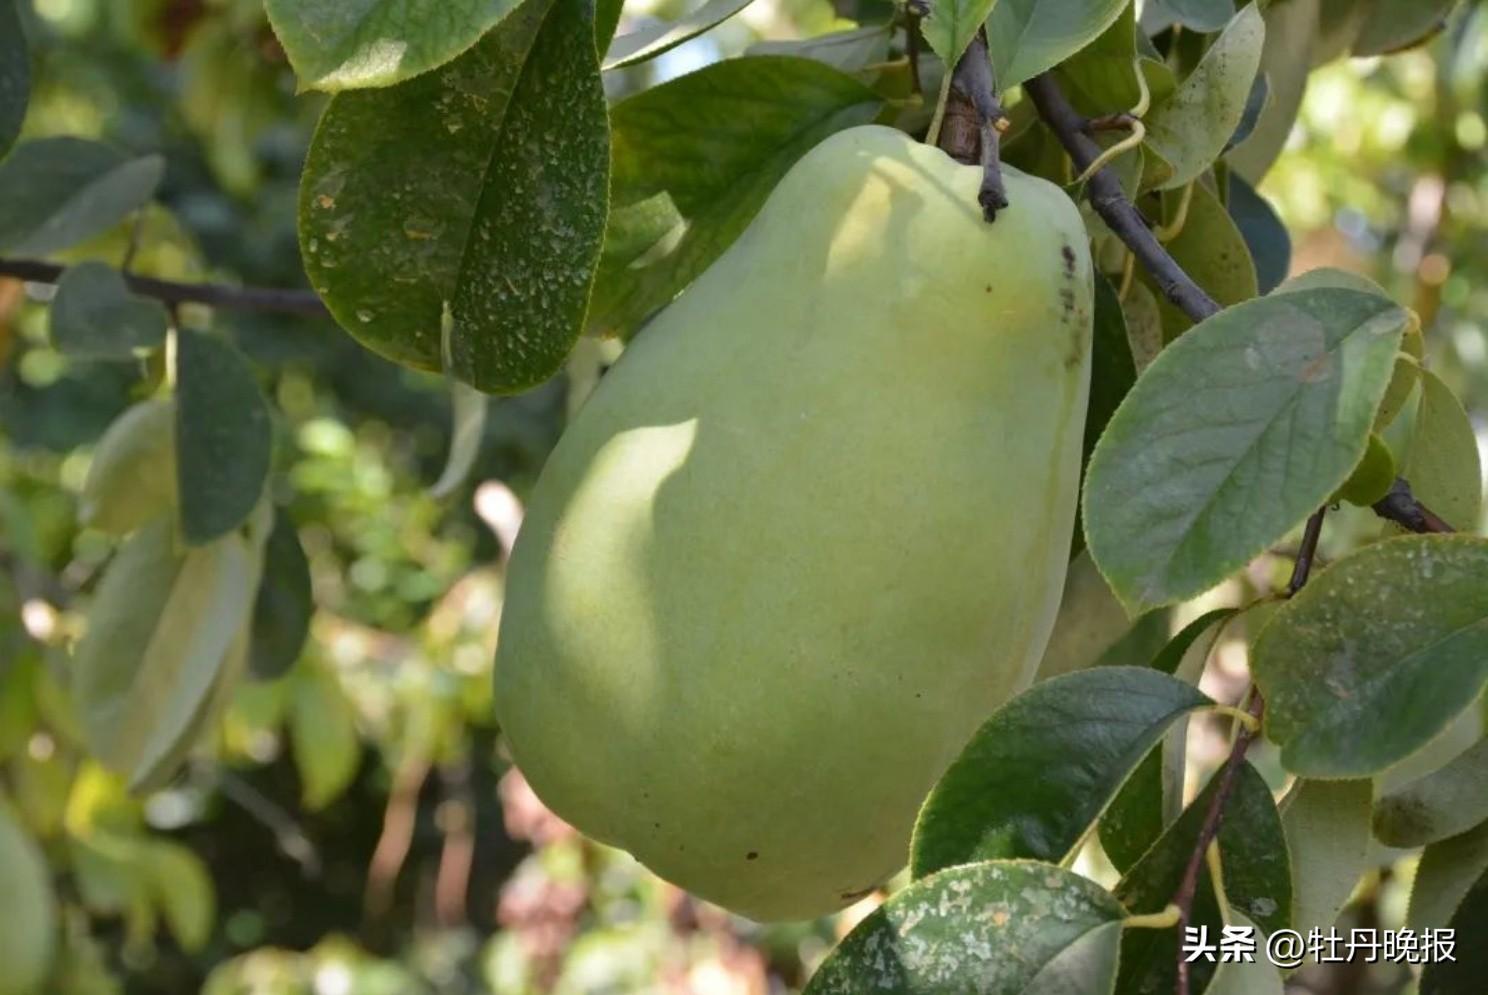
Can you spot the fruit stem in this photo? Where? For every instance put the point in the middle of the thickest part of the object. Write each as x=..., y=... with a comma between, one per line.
x=970, y=122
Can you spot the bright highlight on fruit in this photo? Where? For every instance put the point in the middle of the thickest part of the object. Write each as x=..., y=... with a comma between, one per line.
x=809, y=532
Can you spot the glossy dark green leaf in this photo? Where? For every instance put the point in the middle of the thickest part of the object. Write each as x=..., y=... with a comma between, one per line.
x=223, y=437
x=1376, y=655
x=57, y=192
x=1037, y=775
x=284, y=604
x=1444, y=877
x=1465, y=970
x=1392, y=25
x=1442, y=804
x=15, y=75
x=481, y=185
x=1261, y=412
x=346, y=44
x=695, y=159
x=1134, y=819
x=1026, y=37
x=663, y=36
x=606, y=21
x=1267, y=238
x=1327, y=830
x=1191, y=128
x=1211, y=249
x=1257, y=879
x=96, y=316
x=1000, y=928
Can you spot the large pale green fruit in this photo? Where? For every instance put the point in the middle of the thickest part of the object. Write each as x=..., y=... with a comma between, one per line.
x=808, y=532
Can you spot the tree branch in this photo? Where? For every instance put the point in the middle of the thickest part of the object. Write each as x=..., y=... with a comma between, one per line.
x=302, y=302
x=975, y=121
x=1400, y=506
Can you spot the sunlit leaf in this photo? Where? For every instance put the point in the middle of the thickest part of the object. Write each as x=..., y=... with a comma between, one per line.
x=1327, y=831
x=346, y=44
x=183, y=889
x=1376, y=655
x=951, y=24
x=663, y=36
x=322, y=729
x=1026, y=37
x=1261, y=412
x=57, y=192
x=1001, y=928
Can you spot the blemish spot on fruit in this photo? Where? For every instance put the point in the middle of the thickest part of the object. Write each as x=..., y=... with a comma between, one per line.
x=1069, y=258
x=752, y=855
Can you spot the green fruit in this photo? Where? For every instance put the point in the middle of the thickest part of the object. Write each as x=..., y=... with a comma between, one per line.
x=809, y=531
x=132, y=478
x=28, y=910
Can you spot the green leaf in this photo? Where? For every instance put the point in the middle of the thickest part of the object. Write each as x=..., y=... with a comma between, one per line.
x=696, y=158
x=15, y=75
x=1445, y=876
x=951, y=24
x=1389, y=25
x=1192, y=127
x=132, y=478
x=322, y=729
x=1376, y=655
x=1113, y=371
x=223, y=437
x=606, y=21
x=1444, y=803
x=1178, y=647
x=347, y=44
x=498, y=164
x=283, y=607
x=1291, y=34
x=1253, y=977
x=96, y=316
x=1210, y=249
x=1027, y=37
x=1001, y=928
x=1038, y=774
x=846, y=51
x=1464, y=970
x=1265, y=236
x=28, y=907
x=1134, y=819
x=662, y=36
x=1327, y=831
x=57, y=192
x=182, y=887
x=1235, y=434
x=1442, y=462
x=1090, y=623
x=1257, y=879
x=159, y=633
x=1203, y=16
x=1102, y=77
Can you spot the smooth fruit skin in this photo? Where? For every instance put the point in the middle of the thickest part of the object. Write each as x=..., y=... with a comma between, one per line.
x=808, y=532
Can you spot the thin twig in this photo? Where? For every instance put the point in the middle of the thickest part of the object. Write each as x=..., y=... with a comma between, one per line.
x=975, y=121
x=1400, y=506
x=1112, y=204
x=1307, y=554
x=302, y=302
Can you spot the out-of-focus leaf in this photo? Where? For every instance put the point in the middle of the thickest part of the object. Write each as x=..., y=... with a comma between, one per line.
x=1016, y=793
x=1327, y=831
x=322, y=729
x=183, y=890
x=1376, y=655
x=999, y=928
x=1392, y=25
x=1465, y=969
x=1445, y=876
x=346, y=44
x=28, y=908
x=481, y=186
x=1444, y=803
x=1263, y=411
x=695, y=159
x=96, y=316
x=57, y=192
x=663, y=36
x=160, y=628
x=1286, y=60
x=15, y=75
x=1267, y=238
x=1192, y=127
x=846, y=51
x=284, y=604
x=1202, y=16
x=132, y=478
x=1026, y=37
x=223, y=437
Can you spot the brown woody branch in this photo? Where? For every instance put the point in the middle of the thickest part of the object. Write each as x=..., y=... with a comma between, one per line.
x=301, y=302
x=1401, y=507
x=974, y=123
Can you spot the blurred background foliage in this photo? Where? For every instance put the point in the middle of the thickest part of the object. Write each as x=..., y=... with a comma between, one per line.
x=353, y=827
